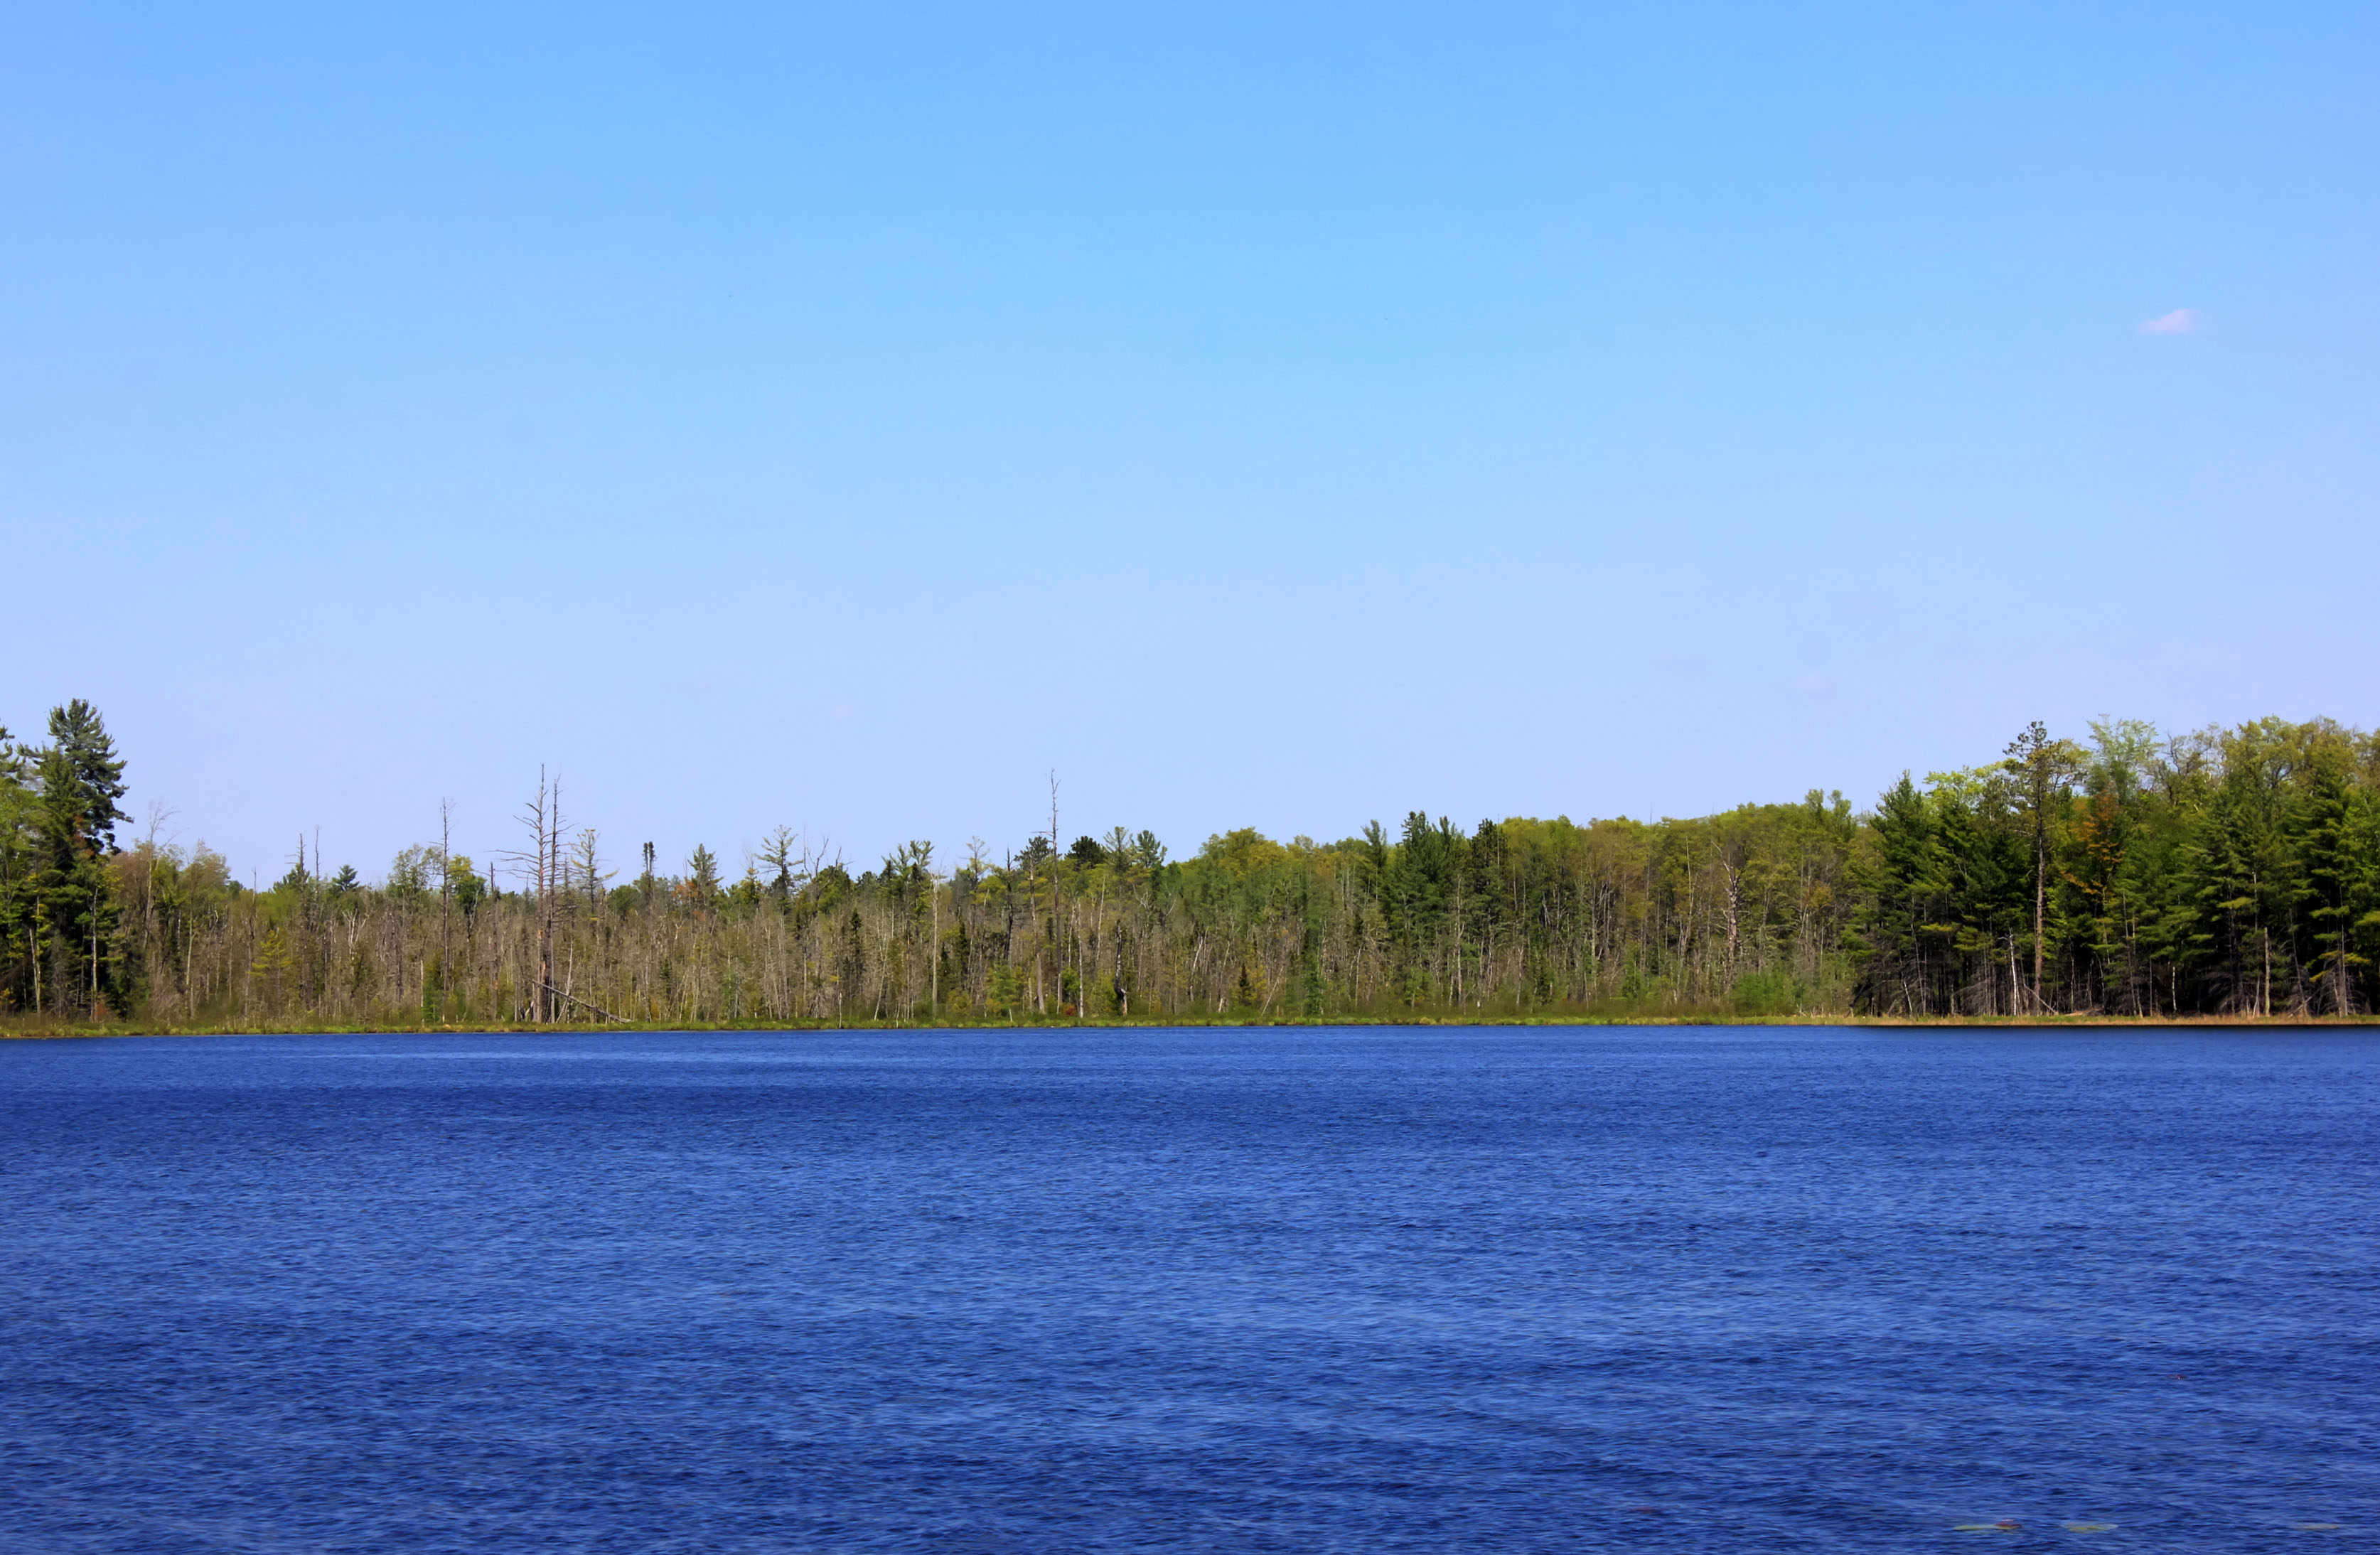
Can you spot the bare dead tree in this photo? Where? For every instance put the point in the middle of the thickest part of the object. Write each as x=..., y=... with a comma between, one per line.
x=587, y=865
x=543, y=865
x=1057, y=901
x=445, y=894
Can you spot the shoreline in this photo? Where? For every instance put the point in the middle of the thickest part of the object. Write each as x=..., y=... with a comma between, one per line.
x=2015, y=1023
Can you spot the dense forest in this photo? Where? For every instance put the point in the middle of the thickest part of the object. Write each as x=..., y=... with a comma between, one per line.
x=2229, y=871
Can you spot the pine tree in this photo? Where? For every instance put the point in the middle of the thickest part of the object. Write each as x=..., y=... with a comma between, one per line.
x=1903, y=881
x=2334, y=877
x=79, y=778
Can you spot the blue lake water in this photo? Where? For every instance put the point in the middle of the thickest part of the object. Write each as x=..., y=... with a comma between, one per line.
x=1314, y=1290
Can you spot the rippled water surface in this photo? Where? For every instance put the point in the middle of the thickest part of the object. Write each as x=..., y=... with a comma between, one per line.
x=1250, y=1290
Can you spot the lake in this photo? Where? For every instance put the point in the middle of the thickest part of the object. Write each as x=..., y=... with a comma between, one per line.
x=1296, y=1290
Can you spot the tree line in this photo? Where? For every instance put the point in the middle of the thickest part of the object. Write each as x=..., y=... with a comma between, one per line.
x=2227, y=871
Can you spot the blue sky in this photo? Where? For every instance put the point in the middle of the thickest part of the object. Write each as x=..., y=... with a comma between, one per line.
x=1271, y=415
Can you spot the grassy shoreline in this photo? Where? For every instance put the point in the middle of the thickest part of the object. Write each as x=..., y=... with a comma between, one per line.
x=28, y=1030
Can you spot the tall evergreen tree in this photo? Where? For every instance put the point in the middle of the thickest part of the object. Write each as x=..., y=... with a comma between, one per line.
x=1904, y=883
x=2335, y=882
x=79, y=779
x=89, y=779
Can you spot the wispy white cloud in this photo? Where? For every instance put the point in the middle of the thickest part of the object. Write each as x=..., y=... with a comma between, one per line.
x=2182, y=320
